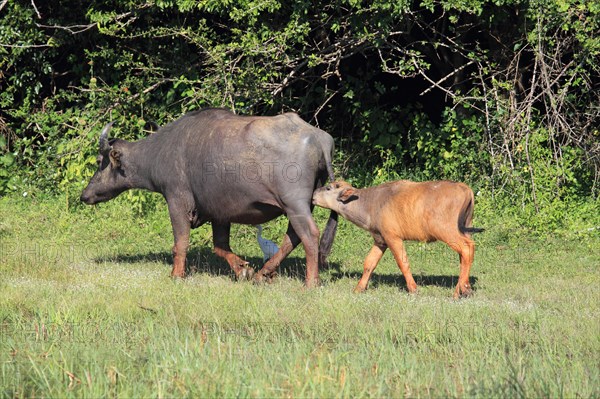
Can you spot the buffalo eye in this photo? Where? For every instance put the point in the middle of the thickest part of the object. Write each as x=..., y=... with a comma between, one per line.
x=328, y=188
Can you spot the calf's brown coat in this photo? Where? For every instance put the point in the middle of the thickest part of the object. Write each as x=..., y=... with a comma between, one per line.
x=404, y=210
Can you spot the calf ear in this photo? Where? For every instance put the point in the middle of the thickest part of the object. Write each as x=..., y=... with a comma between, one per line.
x=115, y=158
x=347, y=195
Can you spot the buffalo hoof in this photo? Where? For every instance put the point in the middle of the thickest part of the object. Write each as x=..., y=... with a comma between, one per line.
x=245, y=274
x=262, y=278
x=314, y=283
x=177, y=276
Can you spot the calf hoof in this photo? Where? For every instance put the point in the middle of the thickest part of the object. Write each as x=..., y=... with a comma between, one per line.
x=463, y=292
x=412, y=289
x=359, y=290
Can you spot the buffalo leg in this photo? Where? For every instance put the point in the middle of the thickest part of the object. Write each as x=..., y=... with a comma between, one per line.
x=301, y=228
x=289, y=242
x=466, y=252
x=371, y=262
x=181, y=233
x=397, y=247
x=221, y=233
x=304, y=225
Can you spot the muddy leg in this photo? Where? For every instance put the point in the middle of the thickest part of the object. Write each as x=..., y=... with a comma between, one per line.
x=304, y=227
x=181, y=233
x=239, y=266
x=371, y=262
x=308, y=231
x=179, y=254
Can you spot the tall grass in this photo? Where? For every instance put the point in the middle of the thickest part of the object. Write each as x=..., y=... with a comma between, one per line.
x=87, y=310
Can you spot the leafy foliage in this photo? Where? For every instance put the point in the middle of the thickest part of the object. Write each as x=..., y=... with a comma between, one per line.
x=503, y=93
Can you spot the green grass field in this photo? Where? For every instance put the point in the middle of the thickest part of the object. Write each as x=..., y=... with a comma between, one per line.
x=87, y=310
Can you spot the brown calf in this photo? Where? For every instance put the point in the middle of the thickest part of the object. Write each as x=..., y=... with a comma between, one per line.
x=405, y=210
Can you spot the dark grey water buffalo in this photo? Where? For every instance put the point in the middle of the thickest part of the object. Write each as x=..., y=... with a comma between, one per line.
x=214, y=166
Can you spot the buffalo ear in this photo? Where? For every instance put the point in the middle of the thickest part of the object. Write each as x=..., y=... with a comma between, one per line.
x=347, y=195
x=115, y=158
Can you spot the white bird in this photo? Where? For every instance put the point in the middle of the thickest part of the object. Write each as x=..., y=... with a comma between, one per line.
x=268, y=247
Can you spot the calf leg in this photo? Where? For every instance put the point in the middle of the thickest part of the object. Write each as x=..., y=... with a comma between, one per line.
x=397, y=247
x=371, y=262
x=466, y=252
x=221, y=233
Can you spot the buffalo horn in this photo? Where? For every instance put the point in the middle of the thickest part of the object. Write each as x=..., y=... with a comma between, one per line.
x=104, y=146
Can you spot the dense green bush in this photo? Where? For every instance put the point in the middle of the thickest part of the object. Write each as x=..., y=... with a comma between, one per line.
x=501, y=94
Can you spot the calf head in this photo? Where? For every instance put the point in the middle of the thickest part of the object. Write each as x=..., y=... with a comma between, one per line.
x=334, y=194
x=111, y=178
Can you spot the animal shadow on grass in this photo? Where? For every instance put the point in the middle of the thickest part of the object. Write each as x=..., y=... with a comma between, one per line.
x=398, y=280
x=203, y=260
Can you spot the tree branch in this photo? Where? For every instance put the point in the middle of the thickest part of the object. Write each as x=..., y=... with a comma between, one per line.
x=437, y=84
x=70, y=28
x=36, y=10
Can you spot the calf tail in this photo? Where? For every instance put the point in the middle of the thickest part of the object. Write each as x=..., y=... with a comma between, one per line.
x=472, y=230
x=465, y=219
